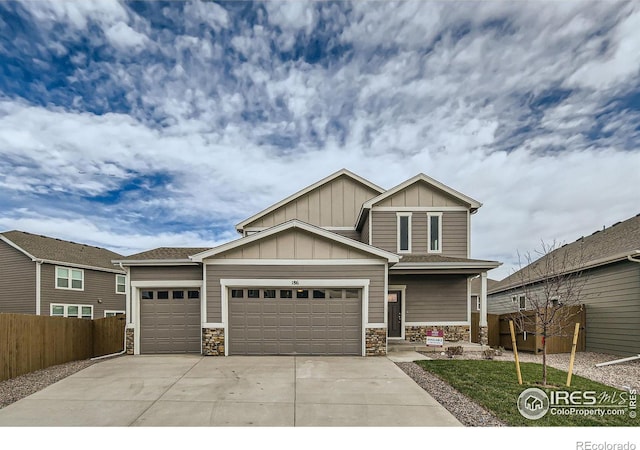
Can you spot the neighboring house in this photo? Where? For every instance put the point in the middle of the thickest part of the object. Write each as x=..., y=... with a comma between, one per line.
x=476, y=286
x=335, y=269
x=47, y=276
x=611, y=288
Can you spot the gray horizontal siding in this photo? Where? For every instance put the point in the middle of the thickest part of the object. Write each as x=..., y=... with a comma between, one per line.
x=384, y=230
x=375, y=273
x=434, y=298
x=99, y=291
x=454, y=232
x=612, y=297
x=18, y=281
x=163, y=273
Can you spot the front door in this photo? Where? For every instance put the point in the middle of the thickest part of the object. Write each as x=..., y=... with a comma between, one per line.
x=394, y=319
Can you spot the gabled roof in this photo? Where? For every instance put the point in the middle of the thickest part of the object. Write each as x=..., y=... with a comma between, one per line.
x=342, y=172
x=473, y=204
x=296, y=224
x=606, y=246
x=162, y=255
x=57, y=251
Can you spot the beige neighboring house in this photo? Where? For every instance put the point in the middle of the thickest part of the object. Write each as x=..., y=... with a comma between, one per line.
x=611, y=289
x=51, y=277
x=338, y=268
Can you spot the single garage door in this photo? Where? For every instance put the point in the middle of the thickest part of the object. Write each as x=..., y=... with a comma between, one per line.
x=282, y=321
x=170, y=321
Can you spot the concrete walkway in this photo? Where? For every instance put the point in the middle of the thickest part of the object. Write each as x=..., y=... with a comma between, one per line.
x=232, y=391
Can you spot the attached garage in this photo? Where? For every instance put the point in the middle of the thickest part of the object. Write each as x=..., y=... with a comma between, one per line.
x=303, y=321
x=170, y=320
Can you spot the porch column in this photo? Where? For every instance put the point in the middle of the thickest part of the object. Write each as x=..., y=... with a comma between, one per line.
x=483, y=309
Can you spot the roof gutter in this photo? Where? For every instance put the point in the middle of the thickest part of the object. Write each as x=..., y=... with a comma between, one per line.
x=155, y=262
x=632, y=259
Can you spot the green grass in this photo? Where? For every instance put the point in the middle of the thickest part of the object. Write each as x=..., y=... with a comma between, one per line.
x=494, y=385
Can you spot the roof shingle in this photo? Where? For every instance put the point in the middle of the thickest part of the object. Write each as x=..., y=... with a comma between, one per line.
x=166, y=253
x=52, y=249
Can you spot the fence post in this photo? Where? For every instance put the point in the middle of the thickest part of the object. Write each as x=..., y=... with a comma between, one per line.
x=573, y=353
x=515, y=351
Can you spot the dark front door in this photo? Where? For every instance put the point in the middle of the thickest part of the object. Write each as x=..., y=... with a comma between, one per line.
x=394, y=320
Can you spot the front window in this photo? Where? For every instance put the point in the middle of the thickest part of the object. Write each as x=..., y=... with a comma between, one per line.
x=68, y=278
x=121, y=284
x=435, y=232
x=520, y=301
x=77, y=311
x=404, y=232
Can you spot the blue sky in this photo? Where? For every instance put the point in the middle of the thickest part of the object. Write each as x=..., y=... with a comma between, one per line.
x=145, y=124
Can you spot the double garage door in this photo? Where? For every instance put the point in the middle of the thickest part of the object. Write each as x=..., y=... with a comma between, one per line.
x=285, y=321
x=262, y=321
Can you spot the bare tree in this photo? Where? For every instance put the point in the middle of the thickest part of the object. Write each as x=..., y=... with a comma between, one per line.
x=551, y=281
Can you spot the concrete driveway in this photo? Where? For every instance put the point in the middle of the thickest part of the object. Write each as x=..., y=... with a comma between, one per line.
x=232, y=391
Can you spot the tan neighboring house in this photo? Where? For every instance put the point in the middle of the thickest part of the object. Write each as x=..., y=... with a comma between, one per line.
x=611, y=290
x=51, y=277
x=338, y=268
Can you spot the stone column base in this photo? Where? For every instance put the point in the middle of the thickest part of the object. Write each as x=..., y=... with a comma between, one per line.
x=129, y=341
x=213, y=341
x=484, y=335
x=452, y=333
x=375, y=341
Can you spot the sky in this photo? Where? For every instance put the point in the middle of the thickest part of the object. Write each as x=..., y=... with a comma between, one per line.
x=138, y=125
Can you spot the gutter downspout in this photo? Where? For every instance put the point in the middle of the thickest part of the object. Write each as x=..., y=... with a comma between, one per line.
x=38, y=287
x=124, y=346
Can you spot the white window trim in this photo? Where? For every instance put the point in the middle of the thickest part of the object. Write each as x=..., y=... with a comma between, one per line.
x=398, y=215
x=113, y=311
x=429, y=216
x=515, y=299
x=65, y=307
x=125, y=284
x=477, y=301
x=55, y=278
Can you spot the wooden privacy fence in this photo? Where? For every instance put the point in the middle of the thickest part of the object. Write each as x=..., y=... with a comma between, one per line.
x=530, y=340
x=492, y=326
x=29, y=343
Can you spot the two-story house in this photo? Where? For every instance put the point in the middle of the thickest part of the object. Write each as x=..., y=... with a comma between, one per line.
x=338, y=268
x=51, y=277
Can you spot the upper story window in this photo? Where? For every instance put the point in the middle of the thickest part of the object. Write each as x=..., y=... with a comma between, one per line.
x=404, y=232
x=68, y=278
x=521, y=301
x=121, y=284
x=434, y=232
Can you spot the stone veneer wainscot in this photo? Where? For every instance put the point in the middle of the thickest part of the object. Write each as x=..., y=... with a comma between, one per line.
x=376, y=341
x=213, y=341
x=451, y=333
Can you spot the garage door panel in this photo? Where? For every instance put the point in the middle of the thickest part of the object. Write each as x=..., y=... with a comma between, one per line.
x=169, y=325
x=295, y=326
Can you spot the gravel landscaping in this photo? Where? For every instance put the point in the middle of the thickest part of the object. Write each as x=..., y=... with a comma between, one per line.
x=20, y=387
x=623, y=376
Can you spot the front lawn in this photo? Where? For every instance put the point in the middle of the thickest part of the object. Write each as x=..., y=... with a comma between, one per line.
x=494, y=385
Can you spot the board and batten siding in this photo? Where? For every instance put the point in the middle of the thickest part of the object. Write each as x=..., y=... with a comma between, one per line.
x=454, y=232
x=294, y=244
x=420, y=194
x=436, y=298
x=97, y=285
x=164, y=273
x=351, y=234
x=334, y=204
x=612, y=298
x=375, y=273
x=18, y=285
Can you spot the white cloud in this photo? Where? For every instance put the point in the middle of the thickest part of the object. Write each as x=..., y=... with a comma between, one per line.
x=123, y=37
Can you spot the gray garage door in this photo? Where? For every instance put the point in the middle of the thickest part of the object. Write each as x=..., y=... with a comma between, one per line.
x=170, y=321
x=274, y=321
